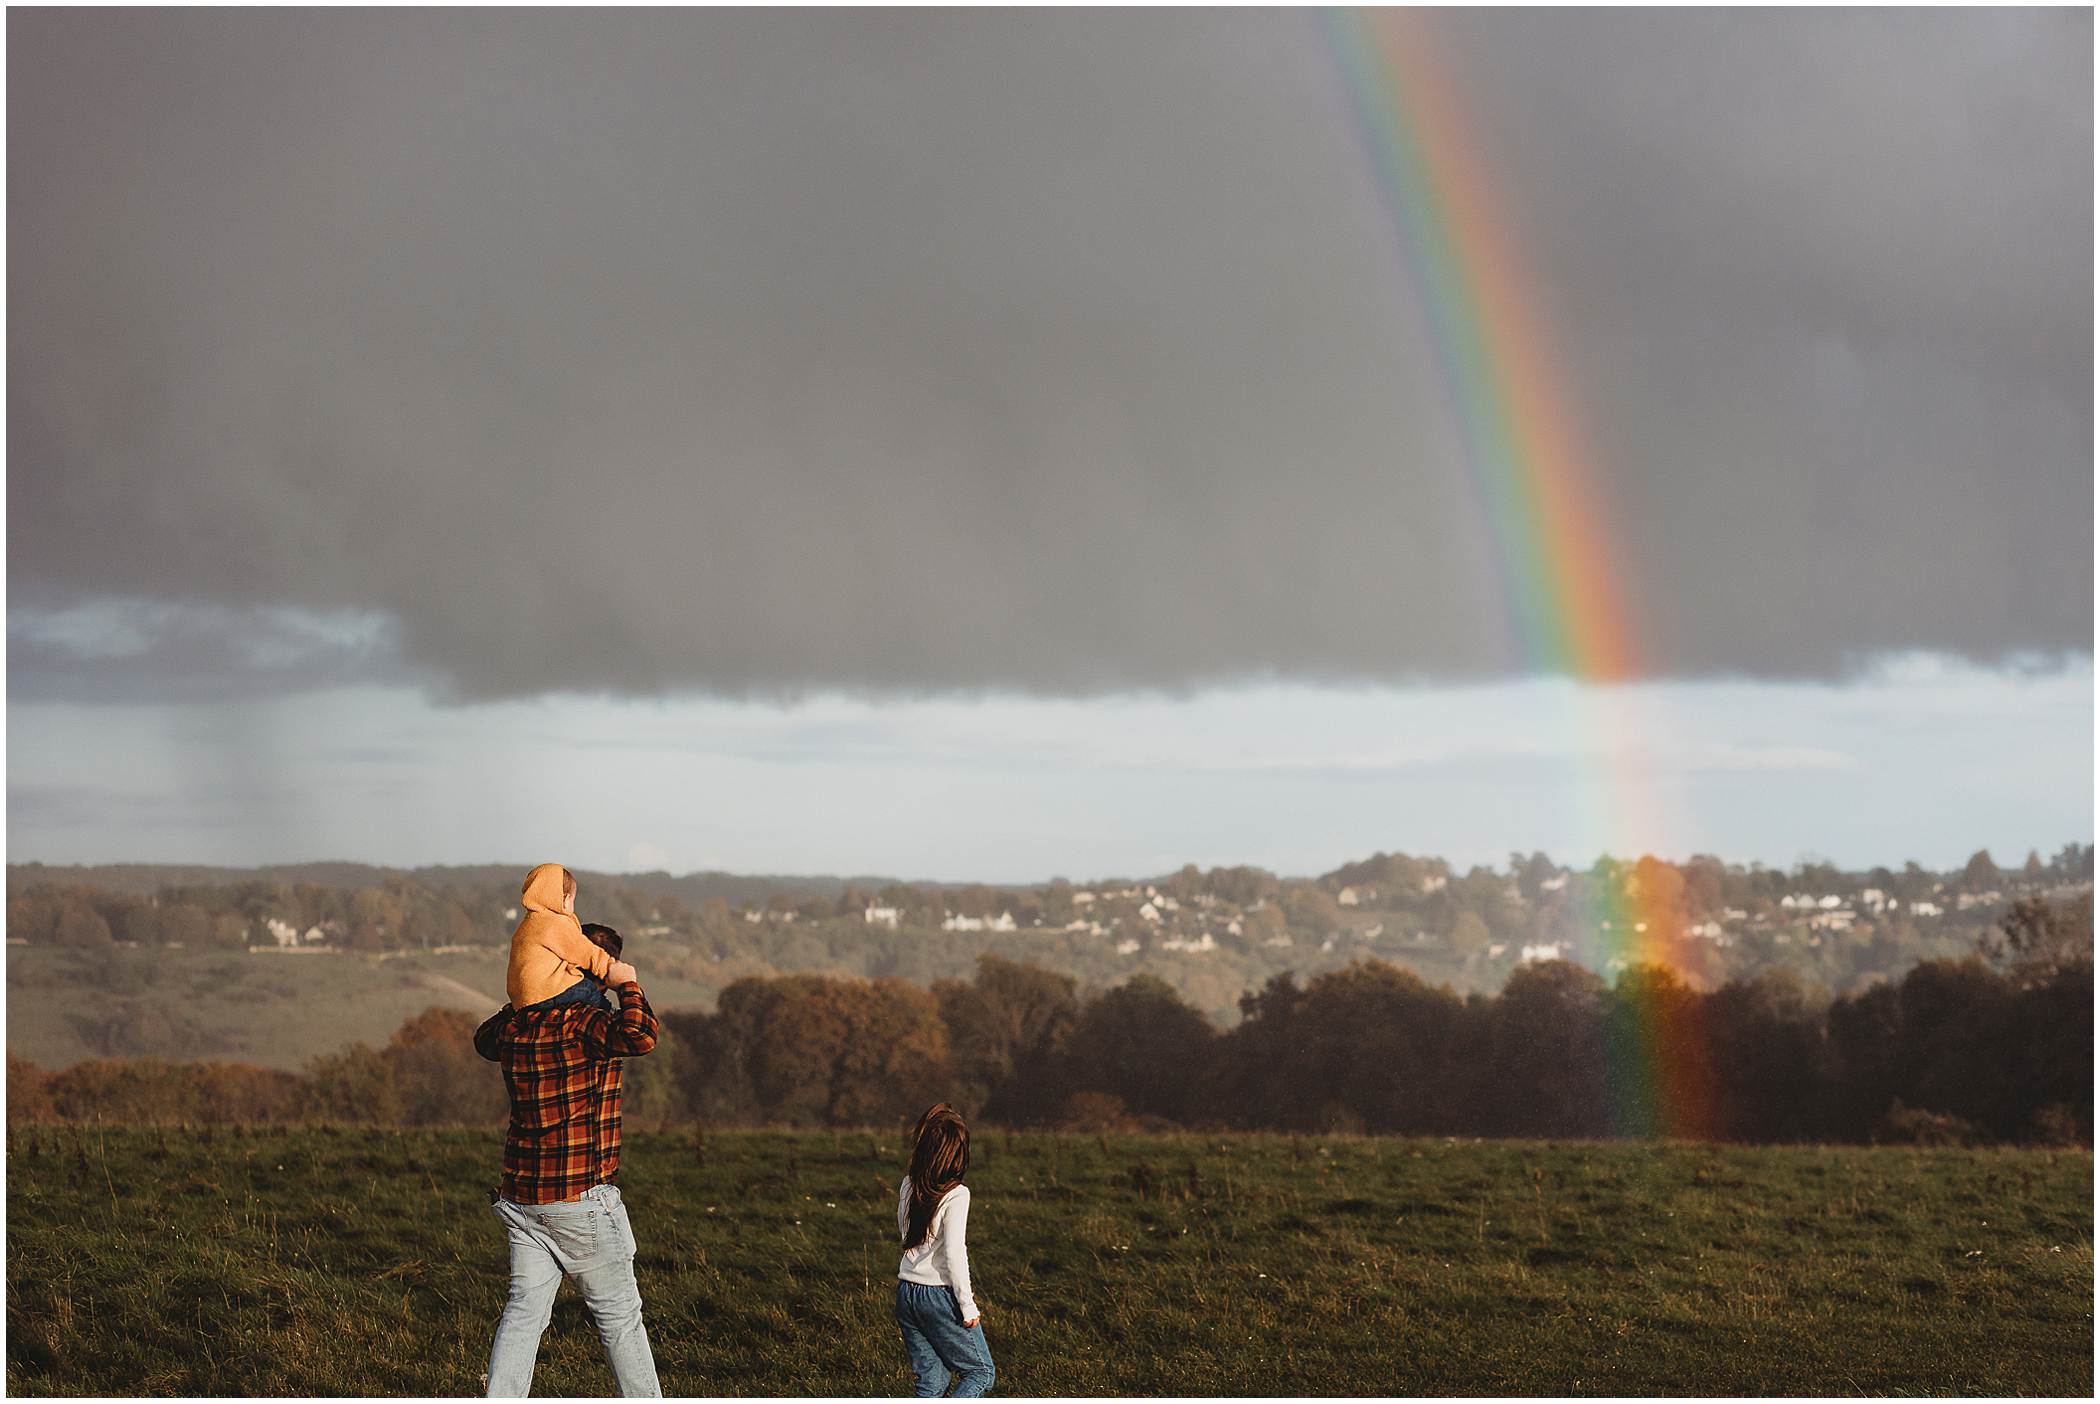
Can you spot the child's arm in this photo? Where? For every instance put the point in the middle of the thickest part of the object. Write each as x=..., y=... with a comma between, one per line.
x=955, y=1254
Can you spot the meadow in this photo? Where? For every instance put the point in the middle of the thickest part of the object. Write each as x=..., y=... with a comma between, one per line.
x=329, y=1261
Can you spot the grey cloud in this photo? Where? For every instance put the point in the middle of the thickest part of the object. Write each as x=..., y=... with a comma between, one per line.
x=906, y=352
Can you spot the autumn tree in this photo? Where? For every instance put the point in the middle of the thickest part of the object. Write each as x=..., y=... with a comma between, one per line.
x=2037, y=937
x=1652, y=1023
x=1979, y=874
x=1004, y=1028
x=1141, y=1043
x=81, y=927
x=813, y=1050
x=1368, y=1048
x=436, y=1077
x=1542, y=1066
x=354, y=1085
x=1469, y=935
x=28, y=1091
x=1764, y=1044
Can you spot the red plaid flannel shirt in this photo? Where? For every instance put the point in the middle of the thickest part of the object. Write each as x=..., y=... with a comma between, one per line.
x=562, y=1069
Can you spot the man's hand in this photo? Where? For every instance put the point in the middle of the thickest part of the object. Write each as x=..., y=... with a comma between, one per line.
x=621, y=973
x=972, y=1322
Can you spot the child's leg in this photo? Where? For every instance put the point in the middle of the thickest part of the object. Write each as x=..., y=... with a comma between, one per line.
x=929, y=1376
x=584, y=991
x=962, y=1349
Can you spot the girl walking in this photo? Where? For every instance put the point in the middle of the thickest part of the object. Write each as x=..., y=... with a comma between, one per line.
x=943, y=1329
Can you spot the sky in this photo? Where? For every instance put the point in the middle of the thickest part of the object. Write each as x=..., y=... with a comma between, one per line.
x=996, y=444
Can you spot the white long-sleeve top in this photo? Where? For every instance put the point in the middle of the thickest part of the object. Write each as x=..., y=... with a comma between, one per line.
x=941, y=1259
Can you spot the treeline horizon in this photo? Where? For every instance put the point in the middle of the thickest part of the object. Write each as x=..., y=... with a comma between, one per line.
x=2072, y=860
x=378, y=909
x=1995, y=1048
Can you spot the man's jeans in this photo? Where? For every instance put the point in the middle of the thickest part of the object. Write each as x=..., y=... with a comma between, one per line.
x=589, y=1239
x=937, y=1341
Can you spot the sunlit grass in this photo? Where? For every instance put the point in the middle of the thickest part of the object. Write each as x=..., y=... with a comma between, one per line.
x=314, y=1262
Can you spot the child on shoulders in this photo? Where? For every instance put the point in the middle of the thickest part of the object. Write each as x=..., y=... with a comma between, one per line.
x=552, y=961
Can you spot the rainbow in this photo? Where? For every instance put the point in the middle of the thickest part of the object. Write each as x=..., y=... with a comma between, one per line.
x=1541, y=499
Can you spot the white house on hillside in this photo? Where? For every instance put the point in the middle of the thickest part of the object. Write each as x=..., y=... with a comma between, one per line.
x=1002, y=922
x=881, y=916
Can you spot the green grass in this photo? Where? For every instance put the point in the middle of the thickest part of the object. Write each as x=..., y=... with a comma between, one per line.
x=306, y=1262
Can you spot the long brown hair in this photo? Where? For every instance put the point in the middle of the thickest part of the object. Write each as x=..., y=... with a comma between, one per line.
x=940, y=1157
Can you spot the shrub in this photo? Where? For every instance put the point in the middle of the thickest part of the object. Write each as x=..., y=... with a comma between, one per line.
x=1094, y=1111
x=28, y=1091
x=2052, y=1125
x=1914, y=1126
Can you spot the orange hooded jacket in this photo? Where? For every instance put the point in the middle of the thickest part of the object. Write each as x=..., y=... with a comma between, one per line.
x=548, y=951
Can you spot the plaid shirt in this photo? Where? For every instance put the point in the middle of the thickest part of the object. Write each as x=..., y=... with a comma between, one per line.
x=562, y=1069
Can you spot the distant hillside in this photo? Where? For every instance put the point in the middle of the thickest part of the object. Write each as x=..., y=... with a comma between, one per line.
x=289, y=961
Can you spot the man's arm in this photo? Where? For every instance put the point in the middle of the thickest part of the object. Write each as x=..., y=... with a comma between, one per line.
x=631, y=1032
x=487, y=1036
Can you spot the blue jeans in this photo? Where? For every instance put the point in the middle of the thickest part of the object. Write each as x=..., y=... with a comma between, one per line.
x=589, y=1239
x=936, y=1341
x=585, y=991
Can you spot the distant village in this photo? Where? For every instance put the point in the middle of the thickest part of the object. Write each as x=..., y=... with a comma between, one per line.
x=1135, y=918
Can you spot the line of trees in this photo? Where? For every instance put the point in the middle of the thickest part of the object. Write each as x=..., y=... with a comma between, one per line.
x=1996, y=1047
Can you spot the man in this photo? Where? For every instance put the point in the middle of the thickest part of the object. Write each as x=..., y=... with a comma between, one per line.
x=612, y=943
x=561, y=1157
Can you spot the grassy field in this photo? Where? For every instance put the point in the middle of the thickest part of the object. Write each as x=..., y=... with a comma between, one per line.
x=307, y=1262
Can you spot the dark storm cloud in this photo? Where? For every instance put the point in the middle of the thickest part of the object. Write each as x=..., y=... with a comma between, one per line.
x=753, y=352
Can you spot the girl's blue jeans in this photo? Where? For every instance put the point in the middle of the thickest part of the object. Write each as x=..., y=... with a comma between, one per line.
x=937, y=1343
